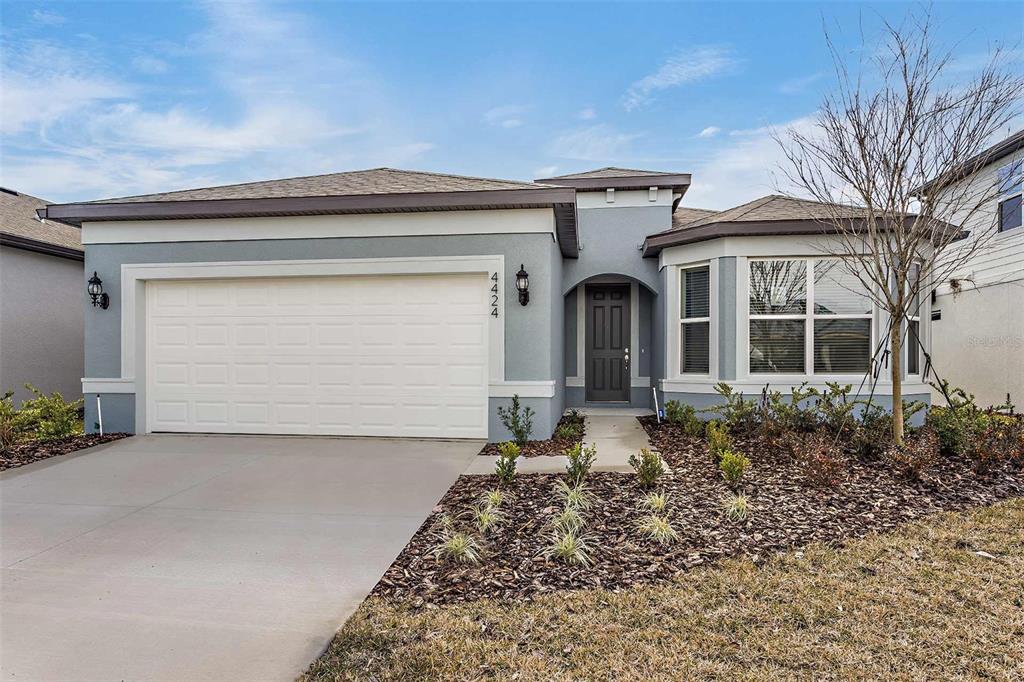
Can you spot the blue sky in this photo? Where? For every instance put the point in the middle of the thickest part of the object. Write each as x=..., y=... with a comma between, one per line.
x=105, y=99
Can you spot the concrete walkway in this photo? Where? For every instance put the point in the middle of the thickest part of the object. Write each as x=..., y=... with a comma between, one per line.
x=203, y=558
x=614, y=431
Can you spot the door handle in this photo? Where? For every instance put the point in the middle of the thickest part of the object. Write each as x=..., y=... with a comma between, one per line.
x=627, y=356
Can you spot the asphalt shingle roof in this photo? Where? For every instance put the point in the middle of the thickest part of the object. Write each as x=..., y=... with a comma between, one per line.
x=18, y=218
x=609, y=172
x=374, y=181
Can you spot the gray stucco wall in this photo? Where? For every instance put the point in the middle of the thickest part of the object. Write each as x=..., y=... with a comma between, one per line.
x=610, y=241
x=41, y=323
x=533, y=333
x=703, y=401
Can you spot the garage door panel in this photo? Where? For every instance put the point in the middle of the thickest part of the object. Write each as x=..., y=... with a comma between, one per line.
x=361, y=355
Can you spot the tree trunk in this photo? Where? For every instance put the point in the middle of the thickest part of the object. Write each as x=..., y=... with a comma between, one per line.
x=896, y=351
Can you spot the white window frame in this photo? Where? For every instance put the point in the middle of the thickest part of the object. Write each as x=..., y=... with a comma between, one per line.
x=914, y=316
x=1011, y=169
x=683, y=320
x=808, y=317
x=673, y=358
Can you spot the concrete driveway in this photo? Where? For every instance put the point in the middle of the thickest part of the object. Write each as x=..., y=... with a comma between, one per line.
x=203, y=558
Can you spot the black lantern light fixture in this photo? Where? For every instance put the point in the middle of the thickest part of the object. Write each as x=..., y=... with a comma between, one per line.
x=523, y=285
x=95, y=290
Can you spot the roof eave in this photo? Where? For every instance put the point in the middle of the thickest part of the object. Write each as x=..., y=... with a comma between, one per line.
x=37, y=246
x=994, y=153
x=679, y=182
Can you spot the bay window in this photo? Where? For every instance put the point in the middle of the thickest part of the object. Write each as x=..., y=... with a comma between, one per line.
x=695, y=320
x=808, y=316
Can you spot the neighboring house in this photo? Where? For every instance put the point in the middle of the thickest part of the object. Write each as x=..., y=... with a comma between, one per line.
x=979, y=311
x=385, y=302
x=41, y=288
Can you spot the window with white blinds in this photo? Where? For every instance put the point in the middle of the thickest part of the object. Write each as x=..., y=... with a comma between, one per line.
x=695, y=320
x=913, y=343
x=808, y=316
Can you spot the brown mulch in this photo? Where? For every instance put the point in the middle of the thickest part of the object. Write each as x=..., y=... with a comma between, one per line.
x=34, y=450
x=785, y=513
x=541, y=448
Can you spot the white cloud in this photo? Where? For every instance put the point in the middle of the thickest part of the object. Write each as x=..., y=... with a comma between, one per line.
x=545, y=171
x=47, y=17
x=587, y=114
x=799, y=84
x=686, y=66
x=744, y=169
x=599, y=142
x=150, y=65
x=508, y=116
x=710, y=131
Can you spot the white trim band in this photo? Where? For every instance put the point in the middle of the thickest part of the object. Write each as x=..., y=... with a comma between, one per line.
x=113, y=385
x=524, y=389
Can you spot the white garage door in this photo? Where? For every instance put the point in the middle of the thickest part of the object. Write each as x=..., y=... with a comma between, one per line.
x=355, y=355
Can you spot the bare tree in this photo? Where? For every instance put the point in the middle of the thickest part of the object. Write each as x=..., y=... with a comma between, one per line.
x=896, y=126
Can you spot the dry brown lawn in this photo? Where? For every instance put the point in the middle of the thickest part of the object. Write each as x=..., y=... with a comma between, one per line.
x=941, y=599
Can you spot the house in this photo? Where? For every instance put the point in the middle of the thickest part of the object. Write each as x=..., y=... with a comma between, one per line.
x=978, y=312
x=41, y=314
x=403, y=303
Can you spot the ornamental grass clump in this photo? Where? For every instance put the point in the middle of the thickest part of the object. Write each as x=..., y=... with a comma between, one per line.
x=493, y=498
x=570, y=547
x=505, y=467
x=733, y=465
x=569, y=520
x=648, y=466
x=574, y=496
x=486, y=518
x=658, y=528
x=656, y=502
x=581, y=459
x=736, y=507
x=455, y=545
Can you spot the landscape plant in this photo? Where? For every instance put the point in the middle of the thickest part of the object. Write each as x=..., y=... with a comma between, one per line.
x=683, y=415
x=49, y=417
x=656, y=502
x=819, y=457
x=580, y=460
x=518, y=421
x=718, y=440
x=736, y=507
x=574, y=496
x=919, y=452
x=570, y=547
x=455, y=545
x=739, y=414
x=505, y=467
x=486, y=517
x=658, y=528
x=649, y=467
x=733, y=465
x=568, y=520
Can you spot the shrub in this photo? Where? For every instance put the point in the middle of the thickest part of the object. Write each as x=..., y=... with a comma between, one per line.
x=835, y=410
x=456, y=546
x=718, y=440
x=658, y=528
x=505, y=467
x=733, y=465
x=518, y=421
x=569, y=546
x=685, y=416
x=656, y=502
x=779, y=416
x=740, y=415
x=1001, y=439
x=736, y=507
x=872, y=435
x=820, y=458
x=574, y=496
x=51, y=415
x=648, y=467
x=580, y=460
x=919, y=452
x=14, y=424
x=569, y=520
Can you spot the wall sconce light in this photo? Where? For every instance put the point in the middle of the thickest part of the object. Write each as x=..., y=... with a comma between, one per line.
x=523, y=285
x=95, y=290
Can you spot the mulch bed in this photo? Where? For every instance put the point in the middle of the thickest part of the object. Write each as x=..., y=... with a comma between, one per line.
x=33, y=451
x=785, y=513
x=542, y=448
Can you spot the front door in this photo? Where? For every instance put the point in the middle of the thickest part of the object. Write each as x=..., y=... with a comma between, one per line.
x=607, y=343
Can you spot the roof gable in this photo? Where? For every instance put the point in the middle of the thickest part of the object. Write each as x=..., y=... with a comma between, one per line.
x=19, y=226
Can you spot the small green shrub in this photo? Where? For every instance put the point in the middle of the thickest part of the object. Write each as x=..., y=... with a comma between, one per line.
x=505, y=467
x=718, y=440
x=740, y=415
x=581, y=459
x=517, y=420
x=733, y=465
x=648, y=466
x=14, y=424
x=51, y=415
x=835, y=409
x=575, y=496
x=685, y=416
x=736, y=507
x=572, y=548
x=656, y=502
x=779, y=416
x=658, y=528
x=569, y=520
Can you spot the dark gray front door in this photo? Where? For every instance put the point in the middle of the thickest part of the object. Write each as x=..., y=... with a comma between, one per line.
x=607, y=339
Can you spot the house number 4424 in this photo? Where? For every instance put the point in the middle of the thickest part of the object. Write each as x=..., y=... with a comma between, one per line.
x=494, y=295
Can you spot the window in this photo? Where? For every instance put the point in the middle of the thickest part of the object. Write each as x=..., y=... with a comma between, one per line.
x=1011, y=181
x=695, y=320
x=914, y=322
x=807, y=312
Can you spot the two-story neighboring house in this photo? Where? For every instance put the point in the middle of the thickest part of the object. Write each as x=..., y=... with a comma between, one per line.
x=978, y=314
